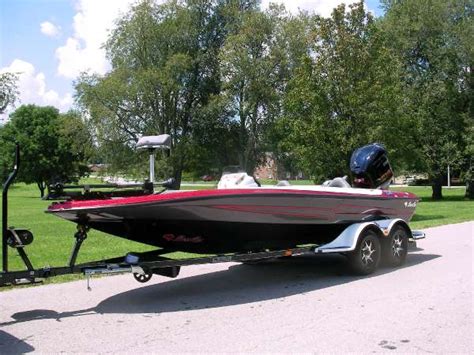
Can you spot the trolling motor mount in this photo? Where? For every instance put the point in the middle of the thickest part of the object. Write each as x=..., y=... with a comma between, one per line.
x=152, y=143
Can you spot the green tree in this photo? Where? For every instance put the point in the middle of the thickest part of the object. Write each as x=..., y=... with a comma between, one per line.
x=8, y=90
x=434, y=40
x=54, y=146
x=165, y=71
x=215, y=142
x=252, y=76
x=345, y=94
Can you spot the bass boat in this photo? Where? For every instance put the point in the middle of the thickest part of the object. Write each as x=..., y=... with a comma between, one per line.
x=241, y=216
x=240, y=221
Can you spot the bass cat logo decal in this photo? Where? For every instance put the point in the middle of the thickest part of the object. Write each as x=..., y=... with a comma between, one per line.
x=182, y=238
x=410, y=204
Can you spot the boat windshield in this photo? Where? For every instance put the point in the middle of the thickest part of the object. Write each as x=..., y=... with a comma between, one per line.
x=232, y=169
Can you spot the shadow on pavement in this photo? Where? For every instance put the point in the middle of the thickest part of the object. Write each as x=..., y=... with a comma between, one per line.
x=12, y=345
x=240, y=284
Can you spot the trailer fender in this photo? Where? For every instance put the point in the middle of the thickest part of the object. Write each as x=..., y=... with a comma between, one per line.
x=413, y=235
x=347, y=240
x=386, y=225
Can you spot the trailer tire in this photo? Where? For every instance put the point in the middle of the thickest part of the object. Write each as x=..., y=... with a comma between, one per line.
x=365, y=259
x=396, y=247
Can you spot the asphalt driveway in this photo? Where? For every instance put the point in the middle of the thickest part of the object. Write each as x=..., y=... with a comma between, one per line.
x=298, y=305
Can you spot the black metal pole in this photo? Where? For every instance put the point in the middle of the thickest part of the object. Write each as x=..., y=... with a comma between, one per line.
x=6, y=186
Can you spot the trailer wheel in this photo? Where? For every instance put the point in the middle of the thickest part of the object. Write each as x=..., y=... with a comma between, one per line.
x=142, y=277
x=365, y=259
x=396, y=249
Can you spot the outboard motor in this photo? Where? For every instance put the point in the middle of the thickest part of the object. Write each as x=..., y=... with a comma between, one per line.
x=370, y=167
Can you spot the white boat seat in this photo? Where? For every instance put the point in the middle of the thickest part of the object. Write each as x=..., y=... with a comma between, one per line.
x=338, y=182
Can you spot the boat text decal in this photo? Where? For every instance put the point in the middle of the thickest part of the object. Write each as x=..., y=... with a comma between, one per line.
x=182, y=238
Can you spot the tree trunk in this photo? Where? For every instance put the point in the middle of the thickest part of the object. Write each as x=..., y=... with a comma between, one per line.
x=242, y=133
x=437, y=188
x=469, y=189
x=242, y=145
x=178, y=173
x=41, y=187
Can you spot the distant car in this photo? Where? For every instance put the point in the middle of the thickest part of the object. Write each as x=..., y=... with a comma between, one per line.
x=208, y=178
x=410, y=180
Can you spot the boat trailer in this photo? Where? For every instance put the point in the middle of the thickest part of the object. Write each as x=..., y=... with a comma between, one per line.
x=144, y=265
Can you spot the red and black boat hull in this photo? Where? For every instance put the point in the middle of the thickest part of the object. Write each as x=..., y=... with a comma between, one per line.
x=218, y=221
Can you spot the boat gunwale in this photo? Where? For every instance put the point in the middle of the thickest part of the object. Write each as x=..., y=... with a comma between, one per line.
x=193, y=195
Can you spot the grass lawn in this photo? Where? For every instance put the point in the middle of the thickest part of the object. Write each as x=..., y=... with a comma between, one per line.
x=54, y=237
x=454, y=208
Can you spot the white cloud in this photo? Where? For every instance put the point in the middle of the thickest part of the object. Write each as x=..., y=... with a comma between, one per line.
x=33, y=89
x=49, y=29
x=93, y=20
x=321, y=7
x=83, y=50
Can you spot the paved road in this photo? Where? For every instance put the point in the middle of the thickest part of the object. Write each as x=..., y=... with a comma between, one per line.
x=299, y=305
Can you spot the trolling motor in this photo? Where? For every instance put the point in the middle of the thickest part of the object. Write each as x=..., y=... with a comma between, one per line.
x=152, y=143
x=57, y=191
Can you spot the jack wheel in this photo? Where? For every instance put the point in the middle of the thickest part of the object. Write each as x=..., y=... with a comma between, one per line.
x=142, y=278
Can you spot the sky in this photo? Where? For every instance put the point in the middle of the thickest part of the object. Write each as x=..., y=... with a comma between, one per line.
x=50, y=42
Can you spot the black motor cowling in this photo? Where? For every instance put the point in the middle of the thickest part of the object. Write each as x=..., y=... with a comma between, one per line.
x=370, y=167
